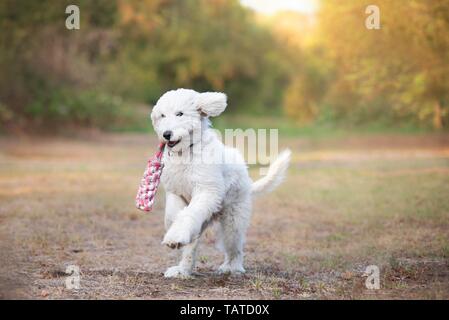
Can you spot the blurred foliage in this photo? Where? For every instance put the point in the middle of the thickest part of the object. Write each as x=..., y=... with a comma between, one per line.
x=328, y=68
x=397, y=74
x=134, y=50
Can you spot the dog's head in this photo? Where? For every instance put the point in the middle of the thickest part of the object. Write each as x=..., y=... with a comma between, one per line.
x=179, y=116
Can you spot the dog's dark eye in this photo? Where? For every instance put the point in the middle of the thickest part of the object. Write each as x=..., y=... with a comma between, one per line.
x=179, y=114
x=163, y=115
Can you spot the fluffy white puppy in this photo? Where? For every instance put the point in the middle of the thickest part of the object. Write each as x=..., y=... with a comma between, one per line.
x=205, y=180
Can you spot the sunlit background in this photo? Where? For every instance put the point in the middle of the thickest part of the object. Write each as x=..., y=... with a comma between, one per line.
x=312, y=61
x=272, y=7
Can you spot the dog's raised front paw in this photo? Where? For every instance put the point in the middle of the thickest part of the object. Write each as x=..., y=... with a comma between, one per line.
x=178, y=235
x=177, y=272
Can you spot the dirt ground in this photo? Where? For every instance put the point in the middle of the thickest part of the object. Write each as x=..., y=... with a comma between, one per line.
x=347, y=203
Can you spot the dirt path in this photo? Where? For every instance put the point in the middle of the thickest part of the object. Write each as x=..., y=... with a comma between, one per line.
x=347, y=204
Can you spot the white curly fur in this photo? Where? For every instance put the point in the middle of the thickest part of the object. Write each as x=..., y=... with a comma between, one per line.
x=199, y=190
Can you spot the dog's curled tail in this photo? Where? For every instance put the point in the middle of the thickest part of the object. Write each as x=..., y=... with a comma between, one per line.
x=275, y=175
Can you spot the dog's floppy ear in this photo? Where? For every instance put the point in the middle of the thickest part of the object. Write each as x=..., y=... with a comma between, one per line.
x=152, y=113
x=211, y=104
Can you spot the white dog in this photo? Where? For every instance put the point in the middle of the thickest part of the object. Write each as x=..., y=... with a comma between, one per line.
x=204, y=180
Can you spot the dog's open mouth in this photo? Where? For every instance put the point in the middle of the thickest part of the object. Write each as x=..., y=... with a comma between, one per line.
x=171, y=144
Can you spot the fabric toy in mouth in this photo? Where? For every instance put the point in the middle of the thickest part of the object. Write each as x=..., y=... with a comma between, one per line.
x=150, y=181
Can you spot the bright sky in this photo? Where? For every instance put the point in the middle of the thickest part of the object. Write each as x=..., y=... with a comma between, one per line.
x=273, y=6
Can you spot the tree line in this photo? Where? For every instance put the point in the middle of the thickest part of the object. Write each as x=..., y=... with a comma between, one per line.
x=127, y=53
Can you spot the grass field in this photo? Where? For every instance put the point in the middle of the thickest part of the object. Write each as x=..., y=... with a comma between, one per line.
x=348, y=202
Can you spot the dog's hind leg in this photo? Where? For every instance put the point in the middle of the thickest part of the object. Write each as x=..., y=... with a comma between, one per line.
x=187, y=263
x=231, y=231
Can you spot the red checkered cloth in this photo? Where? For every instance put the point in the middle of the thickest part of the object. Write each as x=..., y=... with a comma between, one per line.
x=150, y=181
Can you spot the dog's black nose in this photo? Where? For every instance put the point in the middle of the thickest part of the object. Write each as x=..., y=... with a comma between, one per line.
x=167, y=135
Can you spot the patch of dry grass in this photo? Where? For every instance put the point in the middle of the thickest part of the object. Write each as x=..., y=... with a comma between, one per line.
x=345, y=205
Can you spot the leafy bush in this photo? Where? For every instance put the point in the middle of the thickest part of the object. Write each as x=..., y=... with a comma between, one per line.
x=86, y=108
